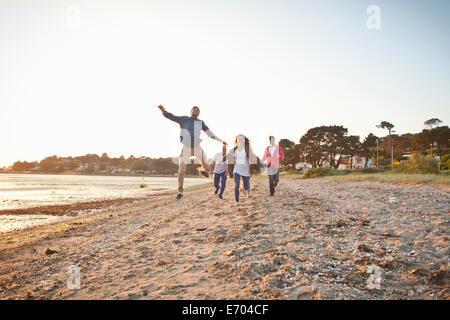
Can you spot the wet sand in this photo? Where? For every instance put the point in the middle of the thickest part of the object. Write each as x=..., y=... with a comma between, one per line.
x=15, y=219
x=29, y=191
x=315, y=239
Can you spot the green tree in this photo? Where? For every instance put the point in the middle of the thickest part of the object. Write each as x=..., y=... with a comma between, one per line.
x=310, y=143
x=164, y=166
x=50, y=164
x=91, y=168
x=324, y=143
x=291, y=156
x=402, y=145
x=19, y=166
x=104, y=157
x=142, y=164
x=432, y=123
x=389, y=126
x=353, y=147
x=438, y=137
x=369, y=147
x=72, y=165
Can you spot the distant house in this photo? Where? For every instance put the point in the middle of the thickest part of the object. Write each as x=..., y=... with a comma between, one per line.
x=113, y=169
x=369, y=164
x=325, y=163
x=344, y=165
x=358, y=163
x=303, y=166
x=82, y=167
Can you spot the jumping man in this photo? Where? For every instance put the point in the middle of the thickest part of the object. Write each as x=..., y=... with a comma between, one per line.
x=190, y=138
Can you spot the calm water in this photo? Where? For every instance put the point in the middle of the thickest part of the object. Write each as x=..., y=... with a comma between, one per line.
x=33, y=190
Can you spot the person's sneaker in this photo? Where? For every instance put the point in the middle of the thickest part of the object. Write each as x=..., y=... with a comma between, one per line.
x=205, y=174
x=179, y=196
x=236, y=204
x=217, y=190
x=220, y=197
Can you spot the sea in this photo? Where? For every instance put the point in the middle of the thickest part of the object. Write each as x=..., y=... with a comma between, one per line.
x=21, y=191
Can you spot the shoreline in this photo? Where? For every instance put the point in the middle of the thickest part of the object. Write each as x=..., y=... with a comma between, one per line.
x=315, y=239
x=47, y=213
x=104, y=175
x=72, y=209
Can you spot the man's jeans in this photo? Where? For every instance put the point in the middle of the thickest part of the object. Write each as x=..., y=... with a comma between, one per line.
x=274, y=175
x=220, y=176
x=185, y=159
x=237, y=181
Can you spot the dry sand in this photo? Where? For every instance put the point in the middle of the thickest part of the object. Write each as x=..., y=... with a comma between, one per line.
x=315, y=239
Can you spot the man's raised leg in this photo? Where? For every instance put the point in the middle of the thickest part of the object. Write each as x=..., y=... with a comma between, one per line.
x=201, y=155
x=181, y=172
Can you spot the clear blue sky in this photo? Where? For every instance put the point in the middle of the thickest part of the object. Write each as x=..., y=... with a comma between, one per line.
x=253, y=67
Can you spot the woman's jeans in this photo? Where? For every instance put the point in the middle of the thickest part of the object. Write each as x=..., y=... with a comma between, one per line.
x=220, y=176
x=237, y=181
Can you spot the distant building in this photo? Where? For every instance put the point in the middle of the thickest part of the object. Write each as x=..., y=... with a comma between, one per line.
x=82, y=167
x=303, y=166
x=113, y=169
x=369, y=164
x=358, y=163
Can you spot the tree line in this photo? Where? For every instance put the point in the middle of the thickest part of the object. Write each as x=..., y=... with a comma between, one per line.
x=331, y=145
x=93, y=163
x=319, y=146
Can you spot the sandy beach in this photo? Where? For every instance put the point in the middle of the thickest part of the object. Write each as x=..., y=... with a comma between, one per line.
x=315, y=239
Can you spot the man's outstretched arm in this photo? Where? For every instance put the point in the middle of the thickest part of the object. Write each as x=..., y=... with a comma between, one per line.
x=168, y=115
x=210, y=134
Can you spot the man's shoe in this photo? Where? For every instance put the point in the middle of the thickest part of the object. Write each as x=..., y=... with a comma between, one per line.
x=220, y=197
x=217, y=190
x=179, y=196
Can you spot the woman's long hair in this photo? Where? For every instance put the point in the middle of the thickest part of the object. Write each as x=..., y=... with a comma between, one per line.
x=247, y=146
x=224, y=153
x=254, y=167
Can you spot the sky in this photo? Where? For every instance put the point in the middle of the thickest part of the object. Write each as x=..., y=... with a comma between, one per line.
x=79, y=77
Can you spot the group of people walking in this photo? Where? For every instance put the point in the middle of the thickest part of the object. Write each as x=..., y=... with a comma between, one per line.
x=239, y=163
